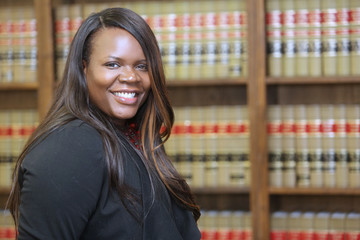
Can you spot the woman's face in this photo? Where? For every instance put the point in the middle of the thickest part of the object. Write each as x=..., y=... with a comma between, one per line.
x=117, y=74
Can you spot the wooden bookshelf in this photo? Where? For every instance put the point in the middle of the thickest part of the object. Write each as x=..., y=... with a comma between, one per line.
x=315, y=191
x=206, y=82
x=221, y=190
x=19, y=86
x=257, y=91
x=313, y=80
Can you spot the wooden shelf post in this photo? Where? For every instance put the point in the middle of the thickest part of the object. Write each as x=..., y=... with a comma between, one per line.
x=256, y=96
x=45, y=43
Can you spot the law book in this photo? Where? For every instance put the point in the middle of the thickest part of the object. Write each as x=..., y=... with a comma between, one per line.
x=273, y=32
x=307, y=225
x=315, y=145
x=7, y=226
x=337, y=225
x=278, y=225
x=315, y=45
x=343, y=37
x=328, y=144
x=15, y=128
x=329, y=37
x=294, y=229
x=353, y=143
x=302, y=38
x=341, y=149
x=239, y=146
x=288, y=38
x=288, y=154
x=275, y=146
x=354, y=20
x=302, y=146
x=24, y=44
x=352, y=226
x=209, y=145
x=225, y=225
x=6, y=48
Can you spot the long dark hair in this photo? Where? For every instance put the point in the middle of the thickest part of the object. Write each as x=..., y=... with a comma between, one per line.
x=154, y=118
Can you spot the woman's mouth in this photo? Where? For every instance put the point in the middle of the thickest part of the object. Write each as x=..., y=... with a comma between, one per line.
x=126, y=97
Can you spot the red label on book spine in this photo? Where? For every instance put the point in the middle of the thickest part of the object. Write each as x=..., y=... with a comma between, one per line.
x=307, y=235
x=278, y=235
x=237, y=234
x=337, y=236
x=353, y=235
x=273, y=18
x=354, y=16
x=294, y=235
x=315, y=18
x=321, y=235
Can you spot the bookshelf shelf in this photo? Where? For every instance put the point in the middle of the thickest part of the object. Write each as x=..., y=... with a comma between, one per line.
x=206, y=82
x=221, y=190
x=314, y=191
x=313, y=80
x=19, y=86
x=4, y=191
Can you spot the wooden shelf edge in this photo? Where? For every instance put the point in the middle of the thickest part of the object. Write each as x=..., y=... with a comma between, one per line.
x=314, y=191
x=206, y=82
x=220, y=190
x=31, y=86
x=4, y=191
x=313, y=80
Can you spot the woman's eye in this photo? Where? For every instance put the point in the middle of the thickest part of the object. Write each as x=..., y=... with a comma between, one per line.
x=112, y=65
x=142, y=67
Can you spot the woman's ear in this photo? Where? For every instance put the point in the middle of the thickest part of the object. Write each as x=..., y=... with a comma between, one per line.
x=84, y=66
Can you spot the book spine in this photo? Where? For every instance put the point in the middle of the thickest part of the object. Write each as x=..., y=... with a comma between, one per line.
x=273, y=32
x=6, y=45
x=15, y=128
x=214, y=152
x=341, y=150
x=7, y=226
x=302, y=150
x=354, y=20
x=288, y=36
x=328, y=144
x=225, y=225
x=353, y=143
x=62, y=38
x=301, y=38
x=337, y=226
x=288, y=146
x=315, y=147
x=315, y=48
x=329, y=40
x=278, y=225
x=275, y=146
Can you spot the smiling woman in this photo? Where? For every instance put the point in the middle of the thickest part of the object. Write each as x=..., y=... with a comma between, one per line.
x=96, y=167
x=117, y=74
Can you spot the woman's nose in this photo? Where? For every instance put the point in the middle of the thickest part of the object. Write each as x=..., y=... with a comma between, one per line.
x=127, y=74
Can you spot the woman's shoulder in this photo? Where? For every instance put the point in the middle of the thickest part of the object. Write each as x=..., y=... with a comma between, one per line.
x=76, y=143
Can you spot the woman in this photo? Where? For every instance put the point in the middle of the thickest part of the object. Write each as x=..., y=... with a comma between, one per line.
x=96, y=167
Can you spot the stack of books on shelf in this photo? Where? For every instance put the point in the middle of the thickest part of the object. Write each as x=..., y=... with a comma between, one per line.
x=314, y=145
x=7, y=227
x=209, y=145
x=18, y=49
x=225, y=225
x=15, y=128
x=313, y=38
x=314, y=225
x=197, y=39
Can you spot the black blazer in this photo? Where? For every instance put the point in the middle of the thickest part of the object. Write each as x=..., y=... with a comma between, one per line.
x=65, y=194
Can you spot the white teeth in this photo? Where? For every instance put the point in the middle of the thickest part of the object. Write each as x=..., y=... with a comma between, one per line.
x=124, y=94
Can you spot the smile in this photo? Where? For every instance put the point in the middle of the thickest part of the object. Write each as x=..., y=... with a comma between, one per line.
x=125, y=94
